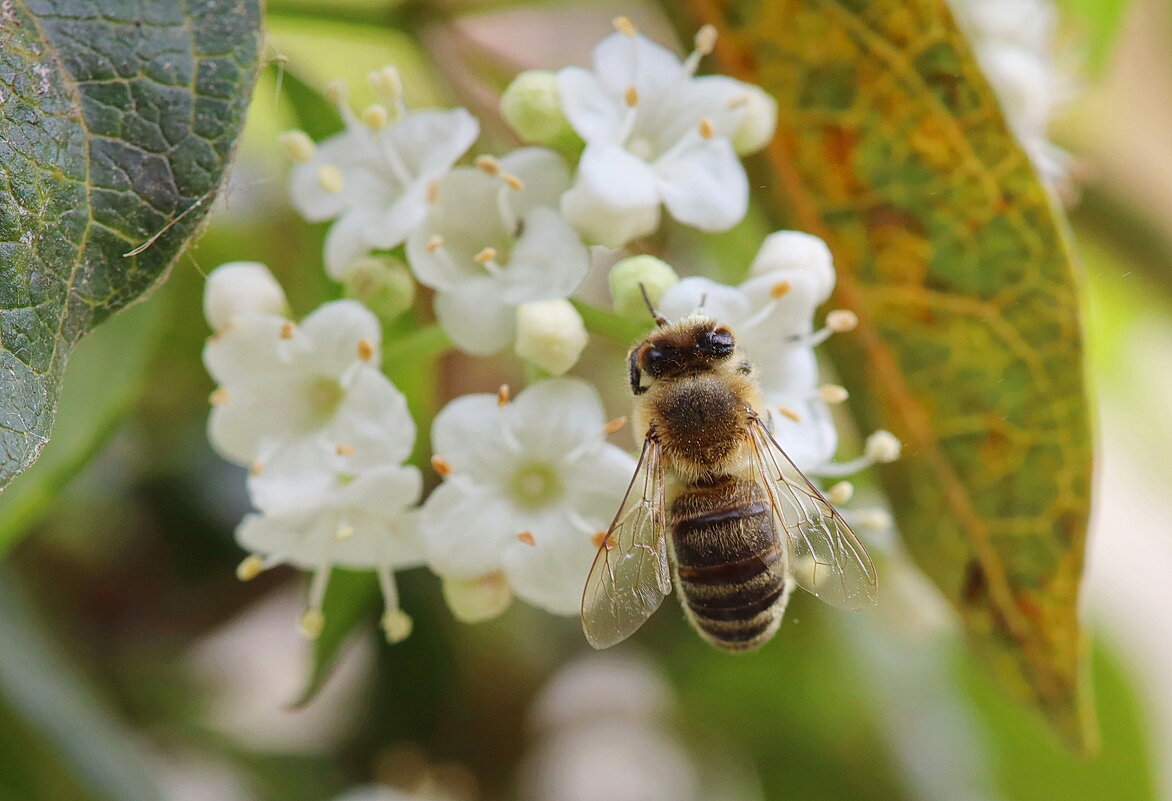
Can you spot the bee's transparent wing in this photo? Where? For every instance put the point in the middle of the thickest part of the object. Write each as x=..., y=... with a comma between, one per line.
x=825, y=557
x=629, y=578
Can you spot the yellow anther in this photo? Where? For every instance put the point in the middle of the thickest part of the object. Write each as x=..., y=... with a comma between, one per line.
x=705, y=40
x=344, y=533
x=707, y=129
x=218, y=397
x=365, y=349
x=512, y=181
x=433, y=192
x=631, y=96
x=614, y=425
x=841, y=320
x=311, y=623
x=375, y=116
x=527, y=538
x=337, y=92
x=441, y=466
x=833, y=393
x=256, y=468
x=250, y=567
x=840, y=493
x=396, y=625
x=624, y=26
x=502, y=395
x=434, y=243
x=297, y=146
x=331, y=179
x=287, y=330
x=488, y=165
x=790, y=412
x=780, y=289
x=485, y=256
x=343, y=449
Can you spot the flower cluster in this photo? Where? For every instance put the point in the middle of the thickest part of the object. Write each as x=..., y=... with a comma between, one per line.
x=529, y=484
x=1017, y=45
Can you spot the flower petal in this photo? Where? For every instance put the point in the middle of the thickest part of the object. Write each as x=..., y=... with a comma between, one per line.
x=621, y=61
x=467, y=434
x=544, y=174
x=704, y=186
x=723, y=303
x=595, y=115
x=557, y=415
x=372, y=421
x=337, y=330
x=548, y=261
x=429, y=142
x=465, y=530
x=552, y=571
x=476, y=317
x=346, y=242
x=616, y=198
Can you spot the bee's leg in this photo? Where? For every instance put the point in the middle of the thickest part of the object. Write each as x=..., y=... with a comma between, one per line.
x=636, y=373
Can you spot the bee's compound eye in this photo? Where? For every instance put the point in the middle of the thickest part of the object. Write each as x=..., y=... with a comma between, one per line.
x=654, y=361
x=718, y=344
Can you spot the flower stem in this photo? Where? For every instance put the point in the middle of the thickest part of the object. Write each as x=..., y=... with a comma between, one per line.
x=419, y=345
x=621, y=329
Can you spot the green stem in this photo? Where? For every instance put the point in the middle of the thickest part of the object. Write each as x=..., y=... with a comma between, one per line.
x=621, y=329
x=410, y=350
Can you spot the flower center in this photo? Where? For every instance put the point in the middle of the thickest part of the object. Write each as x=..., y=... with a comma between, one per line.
x=325, y=394
x=535, y=484
x=641, y=147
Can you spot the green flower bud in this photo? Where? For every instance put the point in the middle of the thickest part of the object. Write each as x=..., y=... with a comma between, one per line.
x=654, y=274
x=532, y=107
x=381, y=283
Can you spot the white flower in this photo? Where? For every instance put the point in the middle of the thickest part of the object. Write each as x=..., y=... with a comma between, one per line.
x=374, y=178
x=359, y=523
x=529, y=484
x=654, y=134
x=300, y=403
x=494, y=241
x=240, y=287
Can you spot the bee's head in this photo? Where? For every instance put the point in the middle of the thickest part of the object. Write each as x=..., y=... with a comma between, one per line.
x=694, y=344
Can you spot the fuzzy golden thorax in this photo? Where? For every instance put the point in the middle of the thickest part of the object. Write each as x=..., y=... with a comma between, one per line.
x=696, y=392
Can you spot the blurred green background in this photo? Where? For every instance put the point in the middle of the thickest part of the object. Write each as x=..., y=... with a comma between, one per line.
x=134, y=666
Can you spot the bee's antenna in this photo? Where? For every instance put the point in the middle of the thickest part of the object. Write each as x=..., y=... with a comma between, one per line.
x=659, y=319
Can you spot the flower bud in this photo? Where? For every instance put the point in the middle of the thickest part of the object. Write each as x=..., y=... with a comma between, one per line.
x=241, y=287
x=382, y=284
x=550, y=334
x=532, y=107
x=882, y=447
x=655, y=275
x=758, y=121
x=796, y=251
x=479, y=599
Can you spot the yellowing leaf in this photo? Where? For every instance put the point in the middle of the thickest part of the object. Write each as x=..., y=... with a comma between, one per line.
x=892, y=147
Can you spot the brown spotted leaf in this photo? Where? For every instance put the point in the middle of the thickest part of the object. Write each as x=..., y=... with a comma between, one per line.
x=893, y=148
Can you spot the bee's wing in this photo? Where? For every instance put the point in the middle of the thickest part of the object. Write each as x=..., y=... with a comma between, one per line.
x=629, y=578
x=825, y=557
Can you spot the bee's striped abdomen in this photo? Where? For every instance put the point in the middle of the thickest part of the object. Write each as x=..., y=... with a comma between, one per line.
x=729, y=562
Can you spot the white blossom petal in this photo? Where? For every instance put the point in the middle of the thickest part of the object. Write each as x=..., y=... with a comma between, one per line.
x=551, y=572
x=465, y=530
x=476, y=317
x=705, y=186
x=616, y=198
x=548, y=261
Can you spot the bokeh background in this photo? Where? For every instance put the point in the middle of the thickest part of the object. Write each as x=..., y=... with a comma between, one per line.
x=134, y=666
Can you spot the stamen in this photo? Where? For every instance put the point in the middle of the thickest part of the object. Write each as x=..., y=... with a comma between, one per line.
x=780, y=289
x=251, y=567
x=441, y=466
x=624, y=26
x=502, y=395
x=833, y=393
x=706, y=128
x=297, y=146
x=433, y=191
x=512, y=181
x=375, y=117
x=790, y=412
x=337, y=92
x=331, y=179
x=842, y=320
x=387, y=83
x=504, y=208
x=840, y=493
x=705, y=41
x=631, y=97
x=739, y=101
x=287, y=330
x=219, y=397
x=365, y=349
x=598, y=537
x=344, y=533
x=488, y=165
x=256, y=468
x=344, y=450
x=614, y=425
x=397, y=625
x=434, y=243
x=486, y=258
x=311, y=623
x=527, y=538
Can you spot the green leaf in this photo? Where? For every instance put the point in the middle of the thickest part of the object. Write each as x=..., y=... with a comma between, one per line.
x=892, y=147
x=38, y=683
x=115, y=131
x=104, y=377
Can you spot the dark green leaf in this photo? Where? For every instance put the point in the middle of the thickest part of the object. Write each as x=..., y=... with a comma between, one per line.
x=115, y=131
x=104, y=377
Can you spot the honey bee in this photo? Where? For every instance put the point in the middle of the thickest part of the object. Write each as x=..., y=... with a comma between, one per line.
x=745, y=524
